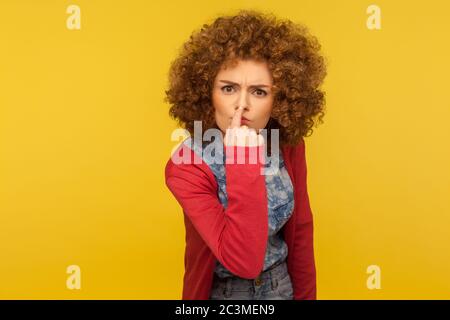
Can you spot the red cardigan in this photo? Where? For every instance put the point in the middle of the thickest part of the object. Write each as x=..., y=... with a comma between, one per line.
x=237, y=236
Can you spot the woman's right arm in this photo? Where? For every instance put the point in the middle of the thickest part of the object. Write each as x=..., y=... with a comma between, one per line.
x=237, y=235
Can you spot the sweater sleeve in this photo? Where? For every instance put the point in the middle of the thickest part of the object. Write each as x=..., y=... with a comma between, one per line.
x=304, y=273
x=237, y=235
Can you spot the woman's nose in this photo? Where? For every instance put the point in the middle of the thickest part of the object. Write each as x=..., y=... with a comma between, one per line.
x=242, y=101
x=244, y=106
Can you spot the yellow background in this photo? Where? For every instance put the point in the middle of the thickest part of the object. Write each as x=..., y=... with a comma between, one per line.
x=85, y=136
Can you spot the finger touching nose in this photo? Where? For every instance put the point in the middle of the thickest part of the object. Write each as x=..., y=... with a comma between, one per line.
x=236, y=121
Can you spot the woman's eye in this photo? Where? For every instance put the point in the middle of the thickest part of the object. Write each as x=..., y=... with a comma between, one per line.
x=263, y=93
x=227, y=87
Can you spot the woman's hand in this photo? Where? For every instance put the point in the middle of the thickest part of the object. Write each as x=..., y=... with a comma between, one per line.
x=237, y=135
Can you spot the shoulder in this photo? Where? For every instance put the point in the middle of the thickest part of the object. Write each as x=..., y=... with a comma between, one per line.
x=294, y=152
x=185, y=163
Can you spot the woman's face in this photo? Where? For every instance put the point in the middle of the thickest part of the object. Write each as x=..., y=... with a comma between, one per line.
x=247, y=84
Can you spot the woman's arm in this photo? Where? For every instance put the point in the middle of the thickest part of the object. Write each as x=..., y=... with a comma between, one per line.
x=304, y=279
x=237, y=235
x=304, y=273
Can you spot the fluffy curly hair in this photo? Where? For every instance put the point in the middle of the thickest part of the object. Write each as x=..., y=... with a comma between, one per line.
x=292, y=55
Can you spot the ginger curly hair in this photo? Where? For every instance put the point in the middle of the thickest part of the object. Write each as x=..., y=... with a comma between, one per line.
x=292, y=55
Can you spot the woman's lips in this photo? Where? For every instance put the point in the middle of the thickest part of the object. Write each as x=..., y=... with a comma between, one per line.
x=244, y=121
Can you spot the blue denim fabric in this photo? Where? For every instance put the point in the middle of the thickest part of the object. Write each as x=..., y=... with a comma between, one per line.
x=280, y=198
x=273, y=284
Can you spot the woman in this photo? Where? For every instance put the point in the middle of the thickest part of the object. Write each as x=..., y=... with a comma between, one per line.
x=249, y=232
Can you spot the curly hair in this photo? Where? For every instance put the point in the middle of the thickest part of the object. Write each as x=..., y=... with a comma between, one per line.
x=292, y=55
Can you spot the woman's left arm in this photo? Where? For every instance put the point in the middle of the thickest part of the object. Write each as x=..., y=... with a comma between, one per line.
x=304, y=272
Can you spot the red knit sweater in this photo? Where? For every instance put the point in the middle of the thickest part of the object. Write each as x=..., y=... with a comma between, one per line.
x=237, y=236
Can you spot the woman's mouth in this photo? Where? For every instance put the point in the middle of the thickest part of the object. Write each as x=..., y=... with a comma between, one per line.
x=244, y=121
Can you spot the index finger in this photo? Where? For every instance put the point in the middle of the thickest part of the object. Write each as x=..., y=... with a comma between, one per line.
x=236, y=121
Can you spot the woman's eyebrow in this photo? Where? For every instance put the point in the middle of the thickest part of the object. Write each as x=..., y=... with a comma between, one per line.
x=252, y=86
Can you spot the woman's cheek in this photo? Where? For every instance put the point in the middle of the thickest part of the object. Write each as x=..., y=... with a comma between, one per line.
x=221, y=120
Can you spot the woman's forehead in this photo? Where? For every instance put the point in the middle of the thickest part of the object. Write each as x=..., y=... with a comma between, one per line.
x=249, y=71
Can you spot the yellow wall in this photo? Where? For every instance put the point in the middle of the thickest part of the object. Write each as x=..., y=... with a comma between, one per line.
x=85, y=136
